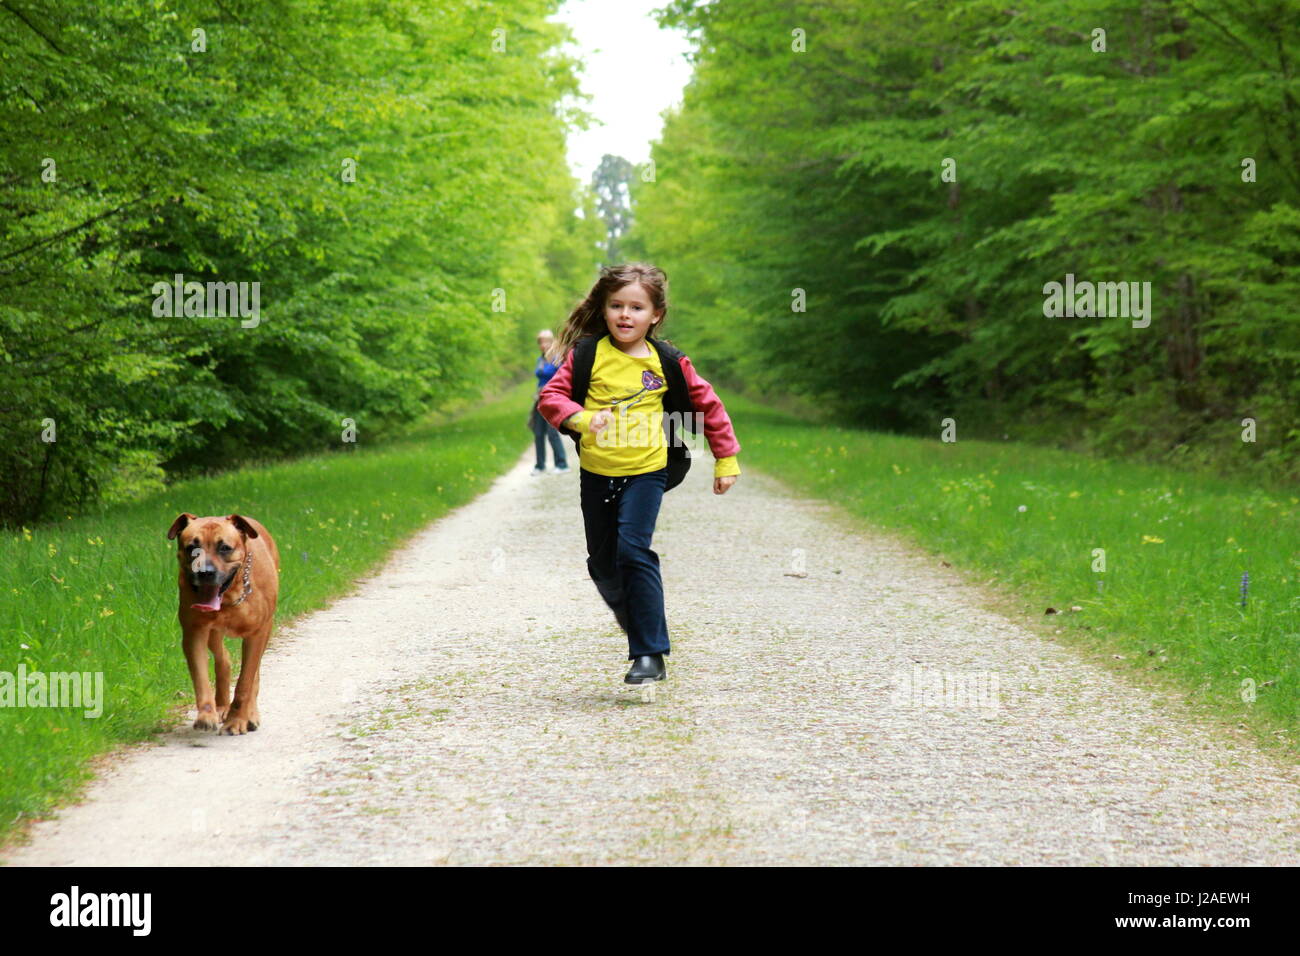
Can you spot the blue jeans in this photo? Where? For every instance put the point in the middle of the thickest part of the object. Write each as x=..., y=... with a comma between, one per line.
x=619, y=515
x=542, y=432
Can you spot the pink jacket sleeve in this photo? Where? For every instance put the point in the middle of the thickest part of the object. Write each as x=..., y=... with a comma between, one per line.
x=555, y=402
x=717, y=425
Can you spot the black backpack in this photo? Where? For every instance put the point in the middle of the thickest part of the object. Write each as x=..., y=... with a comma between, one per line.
x=677, y=399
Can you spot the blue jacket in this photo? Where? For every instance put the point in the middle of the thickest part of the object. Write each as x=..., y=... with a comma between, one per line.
x=544, y=370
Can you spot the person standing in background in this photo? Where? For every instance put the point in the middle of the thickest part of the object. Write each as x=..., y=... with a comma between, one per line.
x=543, y=430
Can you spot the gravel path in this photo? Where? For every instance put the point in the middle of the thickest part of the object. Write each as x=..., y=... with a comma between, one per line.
x=466, y=706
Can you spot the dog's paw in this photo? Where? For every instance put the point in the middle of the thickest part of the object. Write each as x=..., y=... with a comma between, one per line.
x=207, y=720
x=238, y=725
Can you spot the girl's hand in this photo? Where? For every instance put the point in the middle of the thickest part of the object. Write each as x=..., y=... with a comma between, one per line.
x=599, y=421
x=720, y=485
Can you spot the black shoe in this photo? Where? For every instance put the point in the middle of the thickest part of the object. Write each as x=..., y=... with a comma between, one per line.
x=648, y=667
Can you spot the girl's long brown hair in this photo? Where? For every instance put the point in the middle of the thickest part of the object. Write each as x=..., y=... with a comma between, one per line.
x=588, y=317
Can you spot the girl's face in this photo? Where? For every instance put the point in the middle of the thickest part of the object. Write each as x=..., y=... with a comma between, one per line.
x=629, y=315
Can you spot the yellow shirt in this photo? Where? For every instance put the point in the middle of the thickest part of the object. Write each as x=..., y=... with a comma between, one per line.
x=633, y=442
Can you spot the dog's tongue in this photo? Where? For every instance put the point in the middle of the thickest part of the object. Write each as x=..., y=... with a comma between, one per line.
x=209, y=598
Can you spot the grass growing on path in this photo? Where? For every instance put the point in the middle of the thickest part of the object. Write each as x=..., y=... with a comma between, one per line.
x=1032, y=520
x=98, y=593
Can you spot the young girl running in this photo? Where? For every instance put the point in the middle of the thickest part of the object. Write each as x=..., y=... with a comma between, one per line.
x=611, y=392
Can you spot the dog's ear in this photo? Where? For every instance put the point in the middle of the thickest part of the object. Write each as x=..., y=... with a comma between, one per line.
x=240, y=522
x=179, y=524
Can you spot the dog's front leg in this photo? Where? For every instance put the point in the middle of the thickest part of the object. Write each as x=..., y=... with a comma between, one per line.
x=243, y=715
x=196, y=655
x=222, y=658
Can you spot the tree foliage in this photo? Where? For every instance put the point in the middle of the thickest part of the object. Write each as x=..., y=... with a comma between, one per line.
x=392, y=175
x=821, y=170
x=610, y=183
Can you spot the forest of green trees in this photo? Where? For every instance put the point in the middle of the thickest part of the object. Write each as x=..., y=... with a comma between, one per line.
x=392, y=175
x=860, y=202
x=917, y=173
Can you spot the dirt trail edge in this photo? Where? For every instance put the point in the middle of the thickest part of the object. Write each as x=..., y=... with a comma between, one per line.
x=465, y=706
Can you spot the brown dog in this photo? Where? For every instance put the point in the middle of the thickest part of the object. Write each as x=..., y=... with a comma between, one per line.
x=229, y=582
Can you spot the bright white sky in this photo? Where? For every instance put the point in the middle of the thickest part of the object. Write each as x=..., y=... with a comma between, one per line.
x=634, y=70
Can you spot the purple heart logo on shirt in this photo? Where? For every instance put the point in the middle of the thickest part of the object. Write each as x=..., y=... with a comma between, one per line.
x=651, y=381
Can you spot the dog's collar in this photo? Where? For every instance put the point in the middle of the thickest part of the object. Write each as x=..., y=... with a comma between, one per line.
x=248, y=581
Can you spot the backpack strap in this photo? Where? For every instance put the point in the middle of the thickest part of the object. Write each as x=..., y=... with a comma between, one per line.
x=584, y=358
x=670, y=357
x=678, y=401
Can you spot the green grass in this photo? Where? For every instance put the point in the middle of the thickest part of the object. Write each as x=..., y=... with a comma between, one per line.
x=1176, y=546
x=97, y=593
